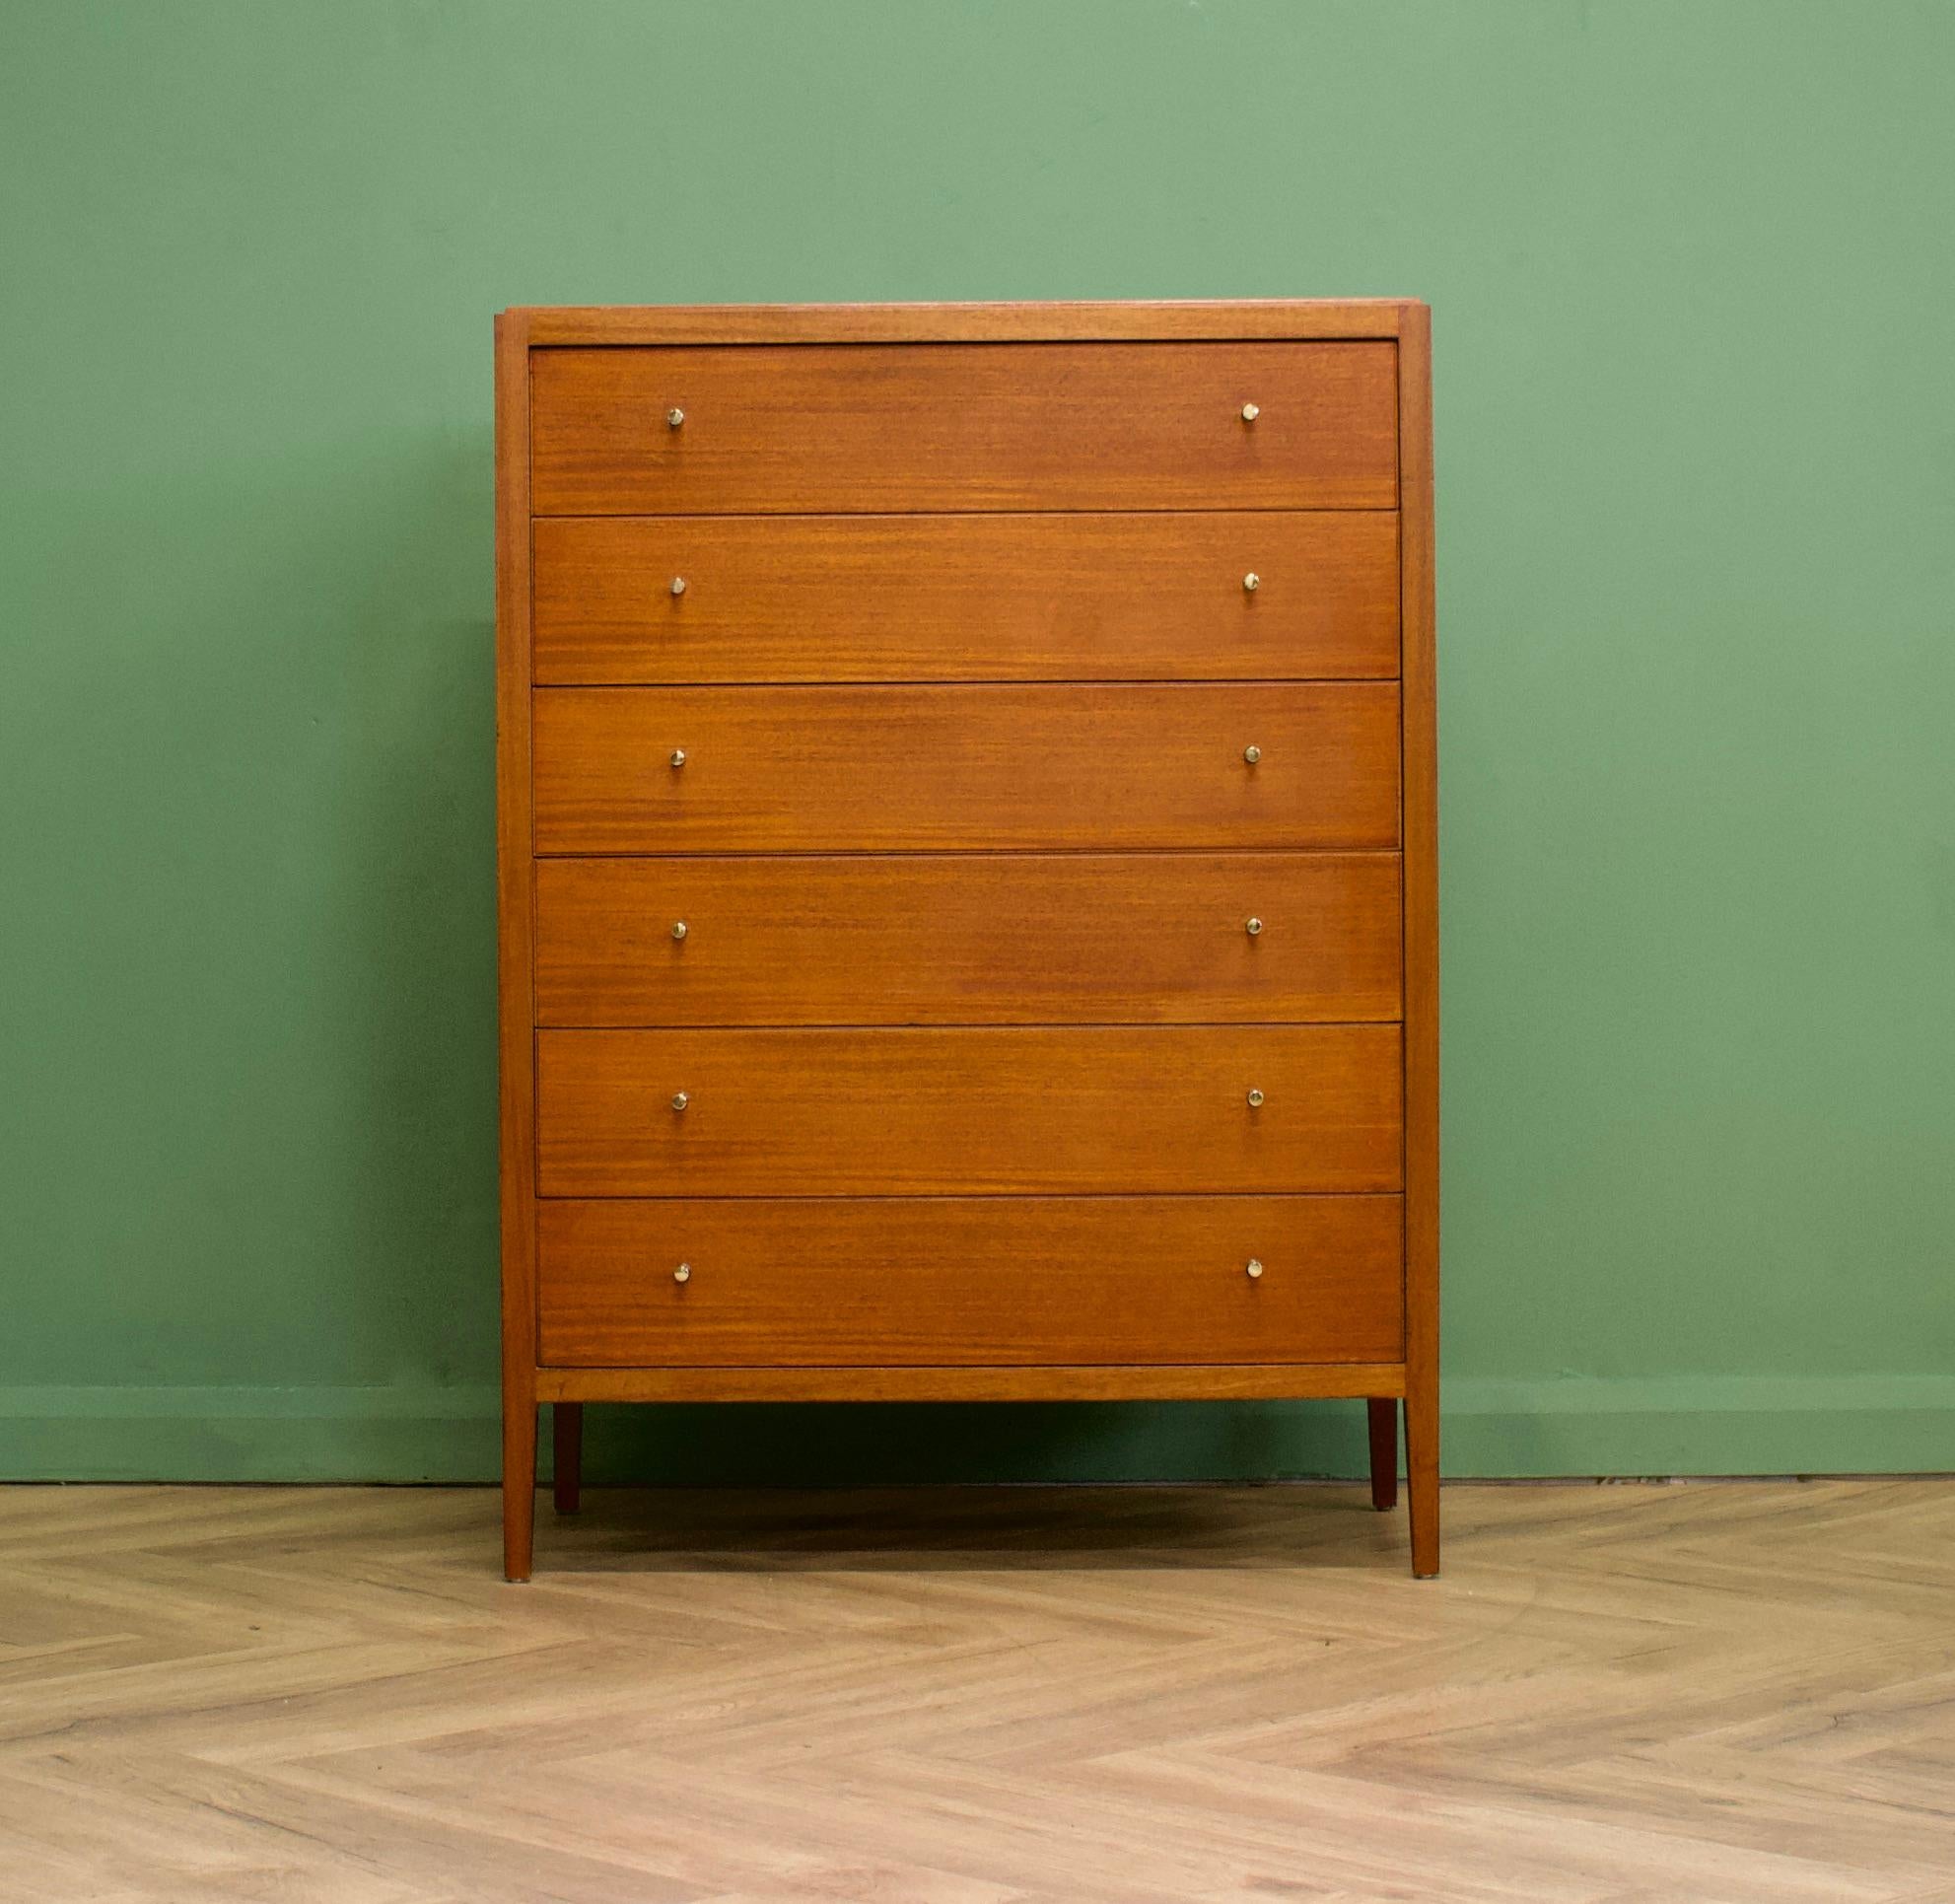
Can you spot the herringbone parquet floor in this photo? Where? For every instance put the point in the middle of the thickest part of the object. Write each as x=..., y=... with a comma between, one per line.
x=1616, y=1695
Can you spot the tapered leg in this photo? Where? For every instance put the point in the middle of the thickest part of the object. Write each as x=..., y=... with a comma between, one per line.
x=518, y=1483
x=1421, y=1470
x=567, y=1447
x=1383, y=1413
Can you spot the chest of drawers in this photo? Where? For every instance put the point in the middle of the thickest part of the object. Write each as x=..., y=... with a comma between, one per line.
x=966, y=871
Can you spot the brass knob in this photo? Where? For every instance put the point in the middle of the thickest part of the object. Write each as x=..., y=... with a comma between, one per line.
x=678, y=927
x=1251, y=753
x=1250, y=582
x=1250, y=413
x=675, y=417
x=679, y=585
x=678, y=756
x=1253, y=1270
x=684, y=1273
x=1255, y=1098
x=1253, y=927
x=680, y=1099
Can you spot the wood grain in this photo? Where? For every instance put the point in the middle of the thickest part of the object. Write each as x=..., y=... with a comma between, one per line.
x=947, y=1382
x=1703, y=1694
x=515, y=954
x=1421, y=943
x=986, y=1281
x=922, y=769
x=1187, y=320
x=974, y=1112
x=955, y=939
x=1059, y=596
x=956, y=427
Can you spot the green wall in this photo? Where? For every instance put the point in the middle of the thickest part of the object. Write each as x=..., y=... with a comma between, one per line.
x=1692, y=289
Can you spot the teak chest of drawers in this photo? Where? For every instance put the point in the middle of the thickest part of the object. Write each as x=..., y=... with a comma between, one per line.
x=966, y=885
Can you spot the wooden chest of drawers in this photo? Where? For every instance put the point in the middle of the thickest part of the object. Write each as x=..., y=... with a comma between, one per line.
x=966, y=869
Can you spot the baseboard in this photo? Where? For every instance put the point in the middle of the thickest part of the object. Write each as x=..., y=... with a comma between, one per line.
x=1574, y=1425
x=404, y=1433
x=1702, y=1425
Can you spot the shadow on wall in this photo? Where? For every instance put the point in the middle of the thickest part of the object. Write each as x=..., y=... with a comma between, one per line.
x=761, y=1444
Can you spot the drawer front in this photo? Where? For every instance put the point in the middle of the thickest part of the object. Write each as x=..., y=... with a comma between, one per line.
x=968, y=597
x=977, y=938
x=986, y=1282
x=931, y=427
x=922, y=769
x=943, y=1112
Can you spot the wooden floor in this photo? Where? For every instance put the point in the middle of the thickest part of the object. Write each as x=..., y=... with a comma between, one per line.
x=1723, y=1692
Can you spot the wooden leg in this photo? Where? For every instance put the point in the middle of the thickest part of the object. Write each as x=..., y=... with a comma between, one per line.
x=1382, y=1411
x=567, y=1447
x=1422, y=1469
x=518, y=1483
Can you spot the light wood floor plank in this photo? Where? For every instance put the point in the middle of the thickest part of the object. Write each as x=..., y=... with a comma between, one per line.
x=1740, y=1693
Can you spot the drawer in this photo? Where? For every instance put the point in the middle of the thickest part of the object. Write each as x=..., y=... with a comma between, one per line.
x=968, y=597
x=943, y=1112
x=931, y=427
x=922, y=769
x=951, y=938
x=983, y=1281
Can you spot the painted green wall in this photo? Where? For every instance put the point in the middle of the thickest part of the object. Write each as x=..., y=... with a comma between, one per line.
x=1696, y=410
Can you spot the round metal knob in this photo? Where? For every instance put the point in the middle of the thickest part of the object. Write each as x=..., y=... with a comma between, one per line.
x=1250, y=754
x=678, y=927
x=675, y=417
x=1250, y=412
x=684, y=1273
x=1250, y=582
x=1255, y=1098
x=1253, y=927
x=1253, y=1270
x=680, y=1099
x=678, y=756
x=679, y=585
